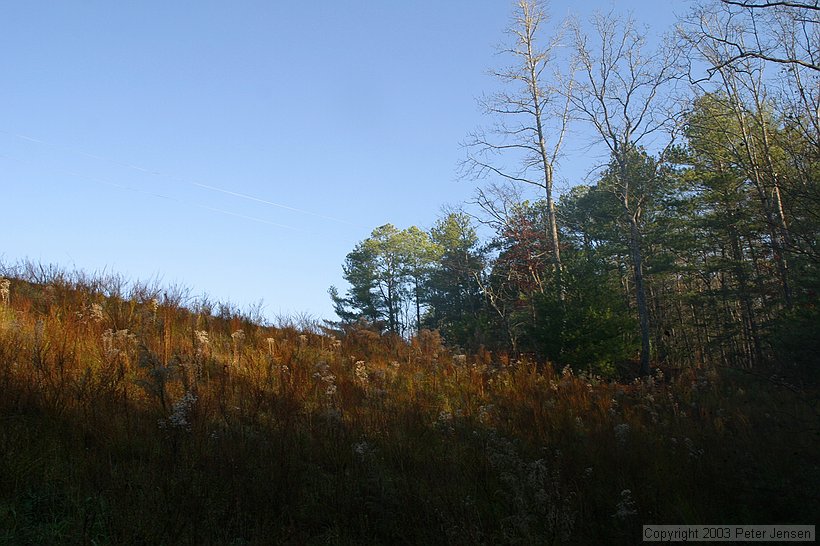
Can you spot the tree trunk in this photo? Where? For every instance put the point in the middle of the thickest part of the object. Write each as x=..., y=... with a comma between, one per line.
x=418, y=307
x=546, y=163
x=750, y=322
x=552, y=226
x=640, y=291
x=775, y=229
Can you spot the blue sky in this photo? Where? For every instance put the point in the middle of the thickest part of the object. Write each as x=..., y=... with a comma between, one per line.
x=240, y=148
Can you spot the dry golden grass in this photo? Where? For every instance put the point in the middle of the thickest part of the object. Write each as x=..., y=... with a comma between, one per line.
x=129, y=418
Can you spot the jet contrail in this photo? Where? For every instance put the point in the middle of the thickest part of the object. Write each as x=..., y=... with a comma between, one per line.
x=265, y=201
x=183, y=181
x=162, y=196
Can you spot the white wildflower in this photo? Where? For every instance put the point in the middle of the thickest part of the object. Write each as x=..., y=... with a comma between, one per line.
x=361, y=372
x=626, y=506
x=323, y=374
x=444, y=422
x=238, y=336
x=485, y=413
x=180, y=413
x=579, y=423
x=362, y=449
x=622, y=433
x=96, y=312
x=202, y=339
x=5, y=290
x=115, y=342
x=694, y=452
x=202, y=342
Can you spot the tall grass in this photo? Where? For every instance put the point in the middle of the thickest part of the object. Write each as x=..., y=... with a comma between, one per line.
x=132, y=414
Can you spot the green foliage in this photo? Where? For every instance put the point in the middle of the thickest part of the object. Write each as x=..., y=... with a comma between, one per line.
x=795, y=343
x=456, y=305
x=590, y=329
x=706, y=249
x=386, y=273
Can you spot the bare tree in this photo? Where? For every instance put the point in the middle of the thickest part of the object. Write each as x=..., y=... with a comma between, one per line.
x=733, y=34
x=624, y=93
x=501, y=207
x=780, y=32
x=753, y=4
x=531, y=117
x=497, y=203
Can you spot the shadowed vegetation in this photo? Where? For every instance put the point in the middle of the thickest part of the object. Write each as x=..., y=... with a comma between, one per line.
x=641, y=349
x=136, y=416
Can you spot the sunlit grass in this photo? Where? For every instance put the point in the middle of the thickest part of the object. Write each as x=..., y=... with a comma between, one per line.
x=132, y=414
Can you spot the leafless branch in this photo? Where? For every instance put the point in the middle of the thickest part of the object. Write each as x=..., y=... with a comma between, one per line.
x=758, y=5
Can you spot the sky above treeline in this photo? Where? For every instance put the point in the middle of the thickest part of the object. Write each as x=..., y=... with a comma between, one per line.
x=242, y=149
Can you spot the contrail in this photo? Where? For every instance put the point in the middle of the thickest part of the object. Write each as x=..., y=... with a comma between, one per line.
x=181, y=180
x=166, y=197
x=186, y=203
x=266, y=202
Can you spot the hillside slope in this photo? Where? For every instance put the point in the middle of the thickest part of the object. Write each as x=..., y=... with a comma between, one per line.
x=128, y=418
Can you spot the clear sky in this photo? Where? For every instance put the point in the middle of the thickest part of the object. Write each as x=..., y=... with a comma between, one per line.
x=240, y=148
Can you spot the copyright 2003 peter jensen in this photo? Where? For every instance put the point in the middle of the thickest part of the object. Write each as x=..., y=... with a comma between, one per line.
x=728, y=533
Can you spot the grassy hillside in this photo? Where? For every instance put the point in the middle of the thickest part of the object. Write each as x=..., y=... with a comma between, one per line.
x=128, y=416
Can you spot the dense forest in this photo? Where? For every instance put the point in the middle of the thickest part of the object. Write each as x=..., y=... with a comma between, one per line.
x=538, y=367
x=696, y=243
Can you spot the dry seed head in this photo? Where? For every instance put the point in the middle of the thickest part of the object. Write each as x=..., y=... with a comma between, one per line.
x=5, y=291
x=96, y=312
x=626, y=506
x=201, y=337
x=361, y=372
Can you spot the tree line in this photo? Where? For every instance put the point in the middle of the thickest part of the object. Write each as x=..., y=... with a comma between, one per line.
x=695, y=243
